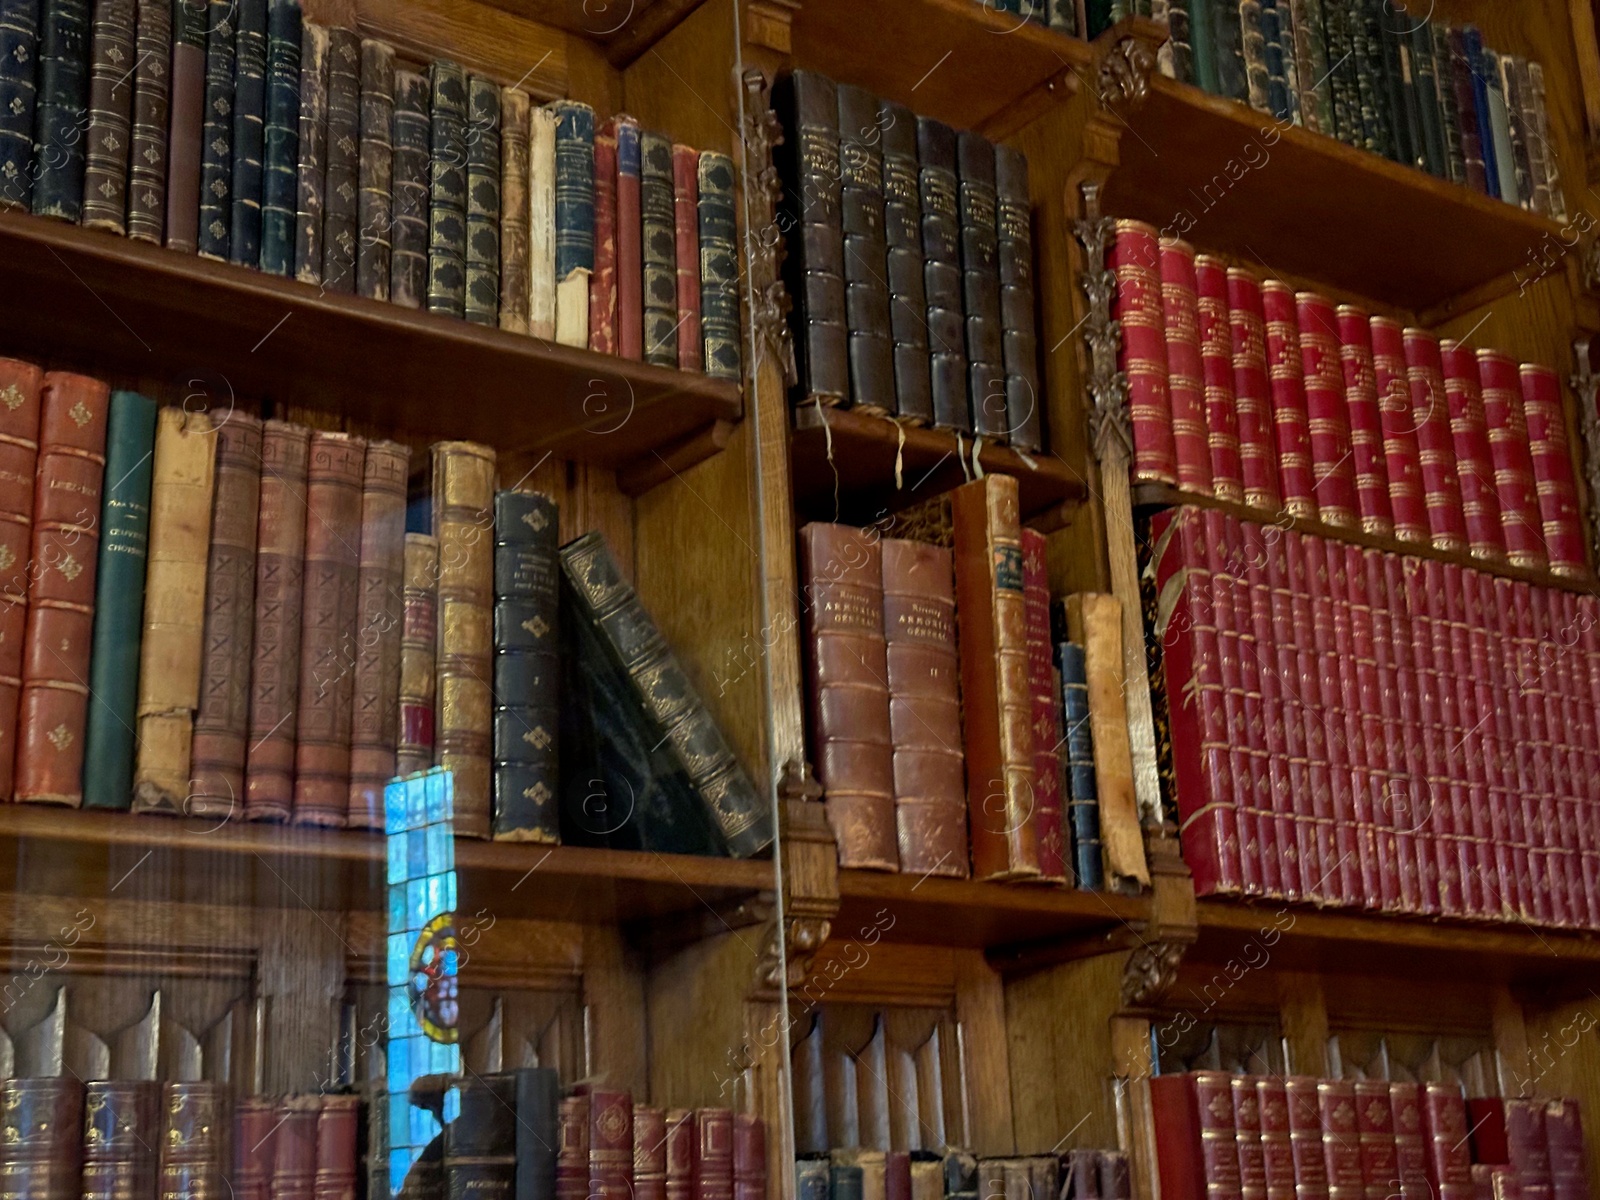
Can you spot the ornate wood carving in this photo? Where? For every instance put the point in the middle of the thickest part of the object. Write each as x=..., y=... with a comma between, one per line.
x=1123, y=79
x=769, y=299
x=1102, y=338
x=1586, y=383
x=810, y=881
x=1153, y=966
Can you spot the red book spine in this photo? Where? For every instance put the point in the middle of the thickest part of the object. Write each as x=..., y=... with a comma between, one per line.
x=294, y=1149
x=1263, y=705
x=572, y=1149
x=1444, y=1123
x=713, y=1179
x=1247, y=1136
x=1252, y=388
x=1219, y=1145
x=20, y=387
x=336, y=1148
x=750, y=1163
x=1553, y=637
x=1432, y=651
x=1408, y=796
x=1180, y=1152
x=1313, y=803
x=1583, y=743
x=1569, y=1173
x=1290, y=425
x=255, y=1124
x=1366, y=421
x=630, y=249
x=1527, y=1150
x=1472, y=747
x=1397, y=856
x=1354, y=844
x=649, y=1153
x=680, y=1154
x=1216, y=369
x=1444, y=584
x=1469, y=435
x=1486, y=1118
x=1552, y=470
x=1305, y=1138
x=1551, y=866
x=1047, y=814
x=1341, y=1138
x=1514, y=673
x=603, y=283
x=1430, y=413
x=1410, y=1151
x=686, y=227
x=610, y=1145
x=1505, y=779
x=1488, y=751
x=1180, y=302
x=1363, y=699
x=1221, y=543
x=1328, y=422
x=1136, y=264
x=1375, y=1132
x=1277, y=1151
x=1401, y=456
x=1280, y=660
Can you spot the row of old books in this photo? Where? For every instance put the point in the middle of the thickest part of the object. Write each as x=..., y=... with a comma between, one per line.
x=910, y=264
x=251, y=136
x=953, y=719
x=1246, y=390
x=954, y=1174
x=1364, y=729
x=1225, y=1136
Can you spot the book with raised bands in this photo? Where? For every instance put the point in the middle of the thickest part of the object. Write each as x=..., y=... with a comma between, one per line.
x=418, y=638
x=1135, y=260
x=1258, y=453
x=20, y=387
x=41, y=1124
x=121, y=1140
x=1216, y=371
x=1180, y=305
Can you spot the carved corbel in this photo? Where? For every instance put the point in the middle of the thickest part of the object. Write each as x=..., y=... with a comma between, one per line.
x=1125, y=60
x=810, y=881
x=763, y=191
x=1586, y=383
x=1152, y=968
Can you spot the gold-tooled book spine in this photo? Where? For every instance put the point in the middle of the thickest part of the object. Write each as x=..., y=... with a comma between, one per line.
x=418, y=640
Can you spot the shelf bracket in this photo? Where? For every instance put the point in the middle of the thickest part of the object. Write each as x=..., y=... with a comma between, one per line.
x=810, y=881
x=1152, y=968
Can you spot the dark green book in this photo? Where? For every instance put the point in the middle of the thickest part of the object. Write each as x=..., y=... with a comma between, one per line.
x=1227, y=48
x=249, y=130
x=1202, y=44
x=1342, y=72
x=1449, y=114
x=119, y=602
x=216, y=142
x=19, y=54
x=1399, y=102
x=719, y=268
x=1096, y=18
x=1366, y=44
x=483, y=201
x=280, y=170
x=447, y=213
x=1425, y=85
x=658, y=244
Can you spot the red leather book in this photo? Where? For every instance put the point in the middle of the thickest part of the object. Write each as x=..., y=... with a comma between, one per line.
x=1397, y=856
x=1327, y=415
x=1566, y=774
x=1509, y=455
x=1252, y=391
x=1430, y=413
x=686, y=227
x=1424, y=583
x=1290, y=424
x=1247, y=1137
x=750, y=1163
x=1444, y=1123
x=1468, y=794
x=1196, y=1149
x=603, y=283
x=122, y=1141
x=1305, y=1138
x=649, y=1153
x=20, y=386
x=610, y=1144
x=1410, y=1149
x=1486, y=1118
x=681, y=1149
x=1216, y=371
x=713, y=1173
x=1299, y=853
x=1518, y=679
x=896, y=1173
x=1313, y=804
x=1221, y=546
x=1487, y=752
x=1277, y=1152
x=1496, y=891
x=1469, y=435
x=1583, y=741
x=1341, y=1138
x=1552, y=470
x=1366, y=421
x=572, y=1149
x=41, y=1130
x=192, y=1137
x=255, y=1128
x=54, y=705
x=337, y=1123
x=1527, y=1150
x=1551, y=865
x=294, y=1149
x=630, y=233
x=1363, y=691
x=1505, y=777
x=1135, y=261
x=1047, y=732
x=1280, y=857
x=1402, y=458
x=1180, y=302
x=1375, y=1133
x=1569, y=1172
x=1331, y=691
x=1408, y=795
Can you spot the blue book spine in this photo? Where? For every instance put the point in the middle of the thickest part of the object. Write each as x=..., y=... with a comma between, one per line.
x=63, y=109
x=249, y=130
x=280, y=161
x=719, y=269
x=1505, y=164
x=19, y=54
x=216, y=146
x=574, y=188
x=1083, y=799
x=1480, y=102
x=1272, y=27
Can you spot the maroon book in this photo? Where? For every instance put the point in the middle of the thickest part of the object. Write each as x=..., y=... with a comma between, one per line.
x=1327, y=412
x=1451, y=657
x=1277, y=1151
x=1252, y=392
x=649, y=1153
x=255, y=1128
x=1410, y=1152
x=1469, y=435
x=1352, y=868
x=630, y=232
x=1196, y=1150
x=1505, y=778
x=603, y=283
x=337, y=1124
x=122, y=1140
x=192, y=1138
x=1552, y=470
x=1216, y=370
x=686, y=228
x=572, y=1149
x=713, y=1171
x=610, y=1145
x=1375, y=1133
x=1518, y=680
x=1397, y=871
x=1314, y=803
x=294, y=1149
x=1186, y=389
x=1527, y=1150
x=1507, y=427
x=1290, y=423
x=1341, y=1138
x=750, y=1163
x=1247, y=766
x=1366, y=421
x=1569, y=1173
x=1247, y=1136
x=1402, y=459
x=1583, y=735
x=1305, y=1138
x=1135, y=261
x=1408, y=792
x=1300, y=850
x=1444, y=1123
x=1369, y=744
x=1486, y=1118
x=1430, y=415
x=1045, y=692
x=681, y=1156
x=41, y=1124
x=1280, y=863
x=1430, y=633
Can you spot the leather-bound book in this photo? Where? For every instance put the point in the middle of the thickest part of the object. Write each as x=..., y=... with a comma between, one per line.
x=375, y=174
x=1527, y=1149
x=1410, y=1150
x=1338, y=710
x=19, y=25
x=1135, y=260
x=121, y=1139
x=902, y=231
x=714, y=1154
x=845, y=1181
x=649, y=1153
x=20, y=387
x=1290, y=423
x=1402, y=457
x=960, y=1173
x=1247, y=1137
x=338, y=1130
x=1434, y=152
x=719, y=269
x=447, y=189
x=849, y=691
x=61, y=110
x=1216, y=372
x=919, y=627
x=1277, y=1152
x=1341, y=1139
x=483, y=202
x=105, y=171
x=1282, y=732
x=1370, y=637
x=54, y=700
x=1486, y=1117
x=812, y=1177
x=222, y=720
x=1254, y=47
x=629, y=253
x=682, y=1149
x=941, y=274
x=1392, y=752
x=1116, y=1175
x=418, y=638
x=375, y=712
x=1363, y=407
x=275, y=651
x=1526, y=121
x=1311, y=66
x=1223, y=562
x=249, y=131
x=1375, y=1131
x=186, y=116
x=1019, y=341
x=1082, y=796
x=280, y=152
x=1080, y=1171
x=686, y=237
x=1430, y=417
x=610, y=1144
x=603, y=283
x=328, y=612
x=572, y=1149
x=542, y=221
x=1459, y=79
x=1180, y=303
x=216, y=135
x=1258, y=450
x=1469, y=434
x=1510, y=158
x=1511, y=459
x=1449, y=112
x=294, y=1148
x=1552, y=470
x=480, y=1145
x=659, y=246
x=408, y=247
x=311, y=180
x=147, y=155
x=574, y=220
x=527, y=588
x=896, y=1166
x=1045, y=694
x=193, y=1134
x=515, y=209
x=980, y=284
x=1196, y=1148
x=41, y=1127
x=538, y=1104
x=463, y=521
x=341, y=196
x=750, y=1161
x=1569, y=1175
x=255, y=1128
x=1305, y=1138
x=1444, y=1123
x=1327, y=412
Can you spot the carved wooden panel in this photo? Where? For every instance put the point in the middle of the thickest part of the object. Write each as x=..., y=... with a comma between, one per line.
x=1416, y=1057
x=1244, y=1049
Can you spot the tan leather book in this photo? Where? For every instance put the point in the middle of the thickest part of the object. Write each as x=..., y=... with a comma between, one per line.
x=847, y=691
x=174, y=608
x=20, y=385
x=54, y=705
x=463, y=521
x=542, y=224
x=223, y=718
x=418, y=639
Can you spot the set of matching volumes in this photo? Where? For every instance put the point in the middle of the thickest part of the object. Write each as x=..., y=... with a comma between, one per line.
x=859, y=1174
x=910, y=264
x=246, y=134
x=1363, y=729
x=941, y=699
x=1251, y=392
x=1225, y=1137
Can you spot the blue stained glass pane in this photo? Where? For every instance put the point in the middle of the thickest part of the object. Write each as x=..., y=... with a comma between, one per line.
x=397, y=860
x=418, y=913
x=436, y=901
x=399, y=1167
x=441, y=848
x=394, y=806
x=417, y=804
x=399, y=1116
x=399, y=966
x=450, y=891
x=452, y=1105
x=416, y=853
x=397, y=907
x=400, y=1019
x=441, y=796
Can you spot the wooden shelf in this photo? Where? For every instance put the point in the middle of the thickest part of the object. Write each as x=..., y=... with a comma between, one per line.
x=1159, y=495
x=844, y=468
x=1309, y=206
x=223, y=332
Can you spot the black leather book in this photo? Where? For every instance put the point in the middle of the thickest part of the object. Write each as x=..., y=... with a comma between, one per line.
x=62, y=109
x=1082, y=794
x=280, y=164
x=1429, y=102
x=480, y=1145
x=375, y=213
x=249, y=130
x=941, y=274
x=538, y=1111
x=1449, y=114
x=658, y=245
x=980, y=286
x=313, y=153
x=1372, y=86
x=447, y=189
x=1019, y=341
x=902, y=232
x=1182, y=40
x=719, y=268
x=408, y=249
x=866, y=293
x=105, y=168
x=483, y=202
x=1404, y=116
x=340, y=195
x=1227, y=40
x=1342, y=73
x=147, y=157
x=216, y=138
x=527, y=593
x=808, y=163
x=19, y=56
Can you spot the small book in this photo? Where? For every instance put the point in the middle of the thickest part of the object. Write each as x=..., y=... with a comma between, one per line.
x=341, y=198
x=408, y=252
x=216, y=134
x=483, y=202
x=659, y=247
x=375, y=174
x=311, y=182
x=574, y=220
x=249, y=131
x=61, y=109
x=280, y=160
x=515, y=208
x=719, y=269
x=629, y=253
x=105, y=172
x=19, y=34
x=447, y=190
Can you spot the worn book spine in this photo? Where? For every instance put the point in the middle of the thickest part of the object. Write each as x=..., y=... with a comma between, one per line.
x=447, y=189
x=105, y=172
x=1179, y=63
x=408, y=251
x=1044, y=694
x=1552, y=470
x=1221, y=412
x=515, y=108
x=249, y=131
x=1253, y=46
x=338, y=1129
x=1327, y=415
x=610, y=1144
x=418, y=639
x=1541, y=118
x=480, y=1147
x=1539, y=154
x=19, y=55
x=572, y=1149
x=275, y=649
x=1258, y=452
x=294, y=1144
x=1135, y=260
x=222, y=720
x=1469, y=434
x=174, y=608
x=686, y=235
x=866, y=294
x=1419, y=35
x=680, y=1138
x=1278, y=38
x=375, y=712
x=1398, y=97
x=1248, y=1137
x=1444, y=1124
x=41, y=1121
x=941, y=275
x=538, y=1132
x=1341, y=70
x=714, y=1154
x=1563, y=1127
x=216, y=151
x=1180, y=303
x=255, y=1120
x=1290, y=422
x=1315, y=90
x=121, y=1139
x=1019, y=340
x=1512, y=462
x=1430, y=416
x=629, y=255
x=61, y=111
x=1447, y=114
x=375, y=176
x=1367, y=58
x=1480, y=112
x=603, y=282
x=980, y=278
x=527, y=588
x=280, y=156
x=1363, y=407
x=1458, y=78
x=659, y=245
x=719, y=268
x=20, y=387
x=483, y=202
x=1513, y=82
x=574, y=220
x=542, y=222
x=186, y=119
x=750, y=1160
x=311, y=181
x=902, y=226
x=328, y=613
x=1082, y=801
x=649, y=1153
x=341, y=163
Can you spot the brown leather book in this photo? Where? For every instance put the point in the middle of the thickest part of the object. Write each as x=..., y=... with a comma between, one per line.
x=680, y=1154
x=713, y=1172
x=686, y=216
x=121, y=1138
x=41, y=1124
x=192, y=1138
x=848, y=691
x=54, y=705
x=337, y=1126
x=294, y=1158
x=327, y=628
x=174, y=608
x=750, y=1159
x=919, y=625
x=187, y=116
x=375, y=716
x=20, y=386
x=515, y=107
x=649, y=1153
x=275, y=655
x=255, y=1126
x=418, y=638
x=463, y=521
x=223, y=718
